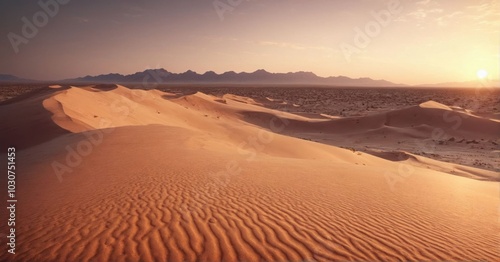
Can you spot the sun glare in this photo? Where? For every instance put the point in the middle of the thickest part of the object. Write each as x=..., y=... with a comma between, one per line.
x=482, y=74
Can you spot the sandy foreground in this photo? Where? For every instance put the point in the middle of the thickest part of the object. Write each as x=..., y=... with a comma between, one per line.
x=114, y=174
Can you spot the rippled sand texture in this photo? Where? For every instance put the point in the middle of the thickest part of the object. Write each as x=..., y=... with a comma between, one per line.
x=201, y=178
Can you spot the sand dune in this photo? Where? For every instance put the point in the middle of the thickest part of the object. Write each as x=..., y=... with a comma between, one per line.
x=424, y=117
x=431, y=129
x=149, y=176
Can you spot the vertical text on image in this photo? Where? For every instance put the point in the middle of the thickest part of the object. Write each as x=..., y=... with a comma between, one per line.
x=11, y=199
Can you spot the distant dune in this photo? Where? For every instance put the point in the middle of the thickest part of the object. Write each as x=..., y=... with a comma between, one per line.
x=114, y=174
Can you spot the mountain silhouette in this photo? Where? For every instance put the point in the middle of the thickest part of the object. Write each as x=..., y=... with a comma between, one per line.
x=258, y=77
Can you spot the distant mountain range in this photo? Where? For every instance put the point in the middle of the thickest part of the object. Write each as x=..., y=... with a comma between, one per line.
x=12, y=79
x=162, y=76
x=257, y=77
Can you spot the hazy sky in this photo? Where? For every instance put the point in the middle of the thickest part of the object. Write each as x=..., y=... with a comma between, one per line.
x=425, y=41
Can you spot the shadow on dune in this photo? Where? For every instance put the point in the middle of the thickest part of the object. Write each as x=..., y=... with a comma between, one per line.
x=103, y=87
x=26, y=122
x=394, y=156
x=171, y=96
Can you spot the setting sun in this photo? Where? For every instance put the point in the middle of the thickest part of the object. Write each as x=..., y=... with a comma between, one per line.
x=482, y=74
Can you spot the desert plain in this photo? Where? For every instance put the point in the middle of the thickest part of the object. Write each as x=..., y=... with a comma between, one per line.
x=231, y=173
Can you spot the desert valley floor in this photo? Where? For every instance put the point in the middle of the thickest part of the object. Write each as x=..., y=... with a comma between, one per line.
x=108, y=173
